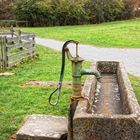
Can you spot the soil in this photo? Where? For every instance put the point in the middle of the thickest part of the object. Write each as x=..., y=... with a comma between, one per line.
x=34, y=83
x=13, y=137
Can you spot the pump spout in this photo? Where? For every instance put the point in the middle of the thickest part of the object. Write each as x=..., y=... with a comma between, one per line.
x=91, y=72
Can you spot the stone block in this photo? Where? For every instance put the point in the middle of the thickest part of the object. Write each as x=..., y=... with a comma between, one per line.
x=43, y=127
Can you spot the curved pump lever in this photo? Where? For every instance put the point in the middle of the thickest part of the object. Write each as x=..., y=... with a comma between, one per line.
x=58, y=89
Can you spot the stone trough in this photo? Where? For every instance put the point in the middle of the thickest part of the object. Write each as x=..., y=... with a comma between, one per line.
x=109, y=110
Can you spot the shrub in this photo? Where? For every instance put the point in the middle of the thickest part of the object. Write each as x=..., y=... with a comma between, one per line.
x=51, y=12
x=105, y=10
x=70, y=12
x=26, y=10
x=127, y=10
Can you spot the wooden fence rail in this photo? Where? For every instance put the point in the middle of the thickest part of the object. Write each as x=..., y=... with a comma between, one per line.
x=15, y=46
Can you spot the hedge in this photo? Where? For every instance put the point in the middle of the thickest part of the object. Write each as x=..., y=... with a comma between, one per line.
x=71, y=12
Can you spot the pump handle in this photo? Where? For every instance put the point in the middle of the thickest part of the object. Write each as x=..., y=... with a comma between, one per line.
x=58, y=89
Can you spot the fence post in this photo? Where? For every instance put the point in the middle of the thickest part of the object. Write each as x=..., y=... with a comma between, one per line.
x=20, y=41
x=34, y=40
x=12, y=31
x=1, y=64
x=33, y=45
x=4, y=53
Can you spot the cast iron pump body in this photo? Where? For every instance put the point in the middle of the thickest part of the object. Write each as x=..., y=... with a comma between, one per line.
x=77, y=72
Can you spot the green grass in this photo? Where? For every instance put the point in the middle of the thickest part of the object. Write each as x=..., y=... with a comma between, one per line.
x=120, y=34
x=16, y=101
x=135, y=81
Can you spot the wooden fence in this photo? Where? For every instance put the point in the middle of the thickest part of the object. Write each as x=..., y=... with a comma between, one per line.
x=15, y=47
x=14, y=23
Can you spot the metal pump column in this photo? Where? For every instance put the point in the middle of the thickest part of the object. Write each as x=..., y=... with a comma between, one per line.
x=76, y=74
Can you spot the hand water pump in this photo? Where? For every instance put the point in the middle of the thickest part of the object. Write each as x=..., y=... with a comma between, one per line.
x=77, y=72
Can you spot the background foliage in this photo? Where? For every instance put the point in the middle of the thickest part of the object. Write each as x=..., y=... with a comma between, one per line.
x=5, y=9
x=70, y=12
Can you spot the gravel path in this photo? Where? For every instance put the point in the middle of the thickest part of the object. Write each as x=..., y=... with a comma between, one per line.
x=130, y=57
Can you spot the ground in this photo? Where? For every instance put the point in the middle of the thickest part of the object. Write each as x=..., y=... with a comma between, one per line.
x=18, y=100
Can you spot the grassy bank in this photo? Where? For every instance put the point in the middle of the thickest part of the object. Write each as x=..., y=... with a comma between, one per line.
x=121, y=34
x=17, y=101
x=135, y=81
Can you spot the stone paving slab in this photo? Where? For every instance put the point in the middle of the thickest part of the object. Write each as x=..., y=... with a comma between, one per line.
x=43, y=127
x=130, y=57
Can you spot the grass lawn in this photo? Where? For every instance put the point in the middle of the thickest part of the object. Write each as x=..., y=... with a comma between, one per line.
x=135, y=81
x=120, y=34
x=16, y=101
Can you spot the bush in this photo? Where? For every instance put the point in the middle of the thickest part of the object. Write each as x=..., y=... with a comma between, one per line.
x=128, y=10
x=68, y=12
x=51, y=12
x=26, y=10
x=71, y=12
x=105, y=10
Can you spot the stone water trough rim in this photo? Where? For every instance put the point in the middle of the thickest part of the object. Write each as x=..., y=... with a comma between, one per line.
x=84, y=106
